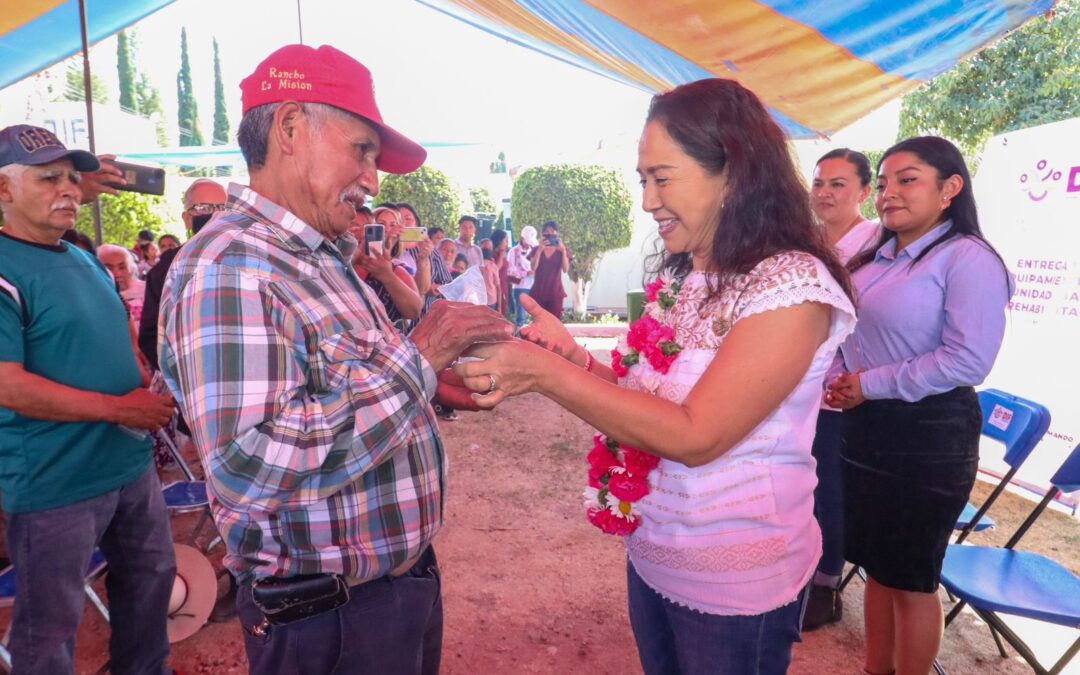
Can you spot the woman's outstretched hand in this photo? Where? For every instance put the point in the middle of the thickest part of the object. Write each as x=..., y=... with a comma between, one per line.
x=512, y=366
x=549, y=332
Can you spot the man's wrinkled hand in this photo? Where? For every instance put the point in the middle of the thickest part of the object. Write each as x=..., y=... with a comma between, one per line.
x=142, y=409
x=105, y=180
x=451, y=327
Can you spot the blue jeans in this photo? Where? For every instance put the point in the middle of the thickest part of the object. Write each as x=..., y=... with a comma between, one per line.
x=829, y=493
x=520, y=315
x=51, y=550
x=390, y=625
x=676, y=640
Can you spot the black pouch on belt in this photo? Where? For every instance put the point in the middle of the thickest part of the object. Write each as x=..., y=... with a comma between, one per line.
x=292, y=599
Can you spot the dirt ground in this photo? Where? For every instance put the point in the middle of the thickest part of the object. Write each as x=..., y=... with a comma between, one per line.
x=531, y=587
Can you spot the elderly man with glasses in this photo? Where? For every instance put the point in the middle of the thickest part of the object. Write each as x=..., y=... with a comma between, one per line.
x=202, y=200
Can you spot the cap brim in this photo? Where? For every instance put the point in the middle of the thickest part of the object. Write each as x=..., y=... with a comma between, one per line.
x=81, y=159
x=398, y=155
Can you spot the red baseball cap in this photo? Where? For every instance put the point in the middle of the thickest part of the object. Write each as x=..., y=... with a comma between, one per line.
x=328, y=75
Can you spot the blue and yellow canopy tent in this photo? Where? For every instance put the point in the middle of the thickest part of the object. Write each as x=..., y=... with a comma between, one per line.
x=818, y=64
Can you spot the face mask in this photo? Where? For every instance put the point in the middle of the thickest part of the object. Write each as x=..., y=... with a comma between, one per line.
x=197, y=222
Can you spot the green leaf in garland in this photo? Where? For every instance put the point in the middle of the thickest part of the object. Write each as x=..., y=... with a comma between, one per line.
x=630, y=359
x=670, y=348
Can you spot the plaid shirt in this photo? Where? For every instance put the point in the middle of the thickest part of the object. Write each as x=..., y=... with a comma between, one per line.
x=309, y=411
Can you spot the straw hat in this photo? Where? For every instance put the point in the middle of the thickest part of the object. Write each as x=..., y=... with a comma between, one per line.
x=193, y=595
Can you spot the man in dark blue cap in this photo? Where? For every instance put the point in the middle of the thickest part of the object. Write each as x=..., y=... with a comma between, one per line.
x=75, y=469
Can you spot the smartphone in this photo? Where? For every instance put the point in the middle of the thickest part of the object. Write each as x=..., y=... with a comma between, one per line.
x=553, y=241
x=413, y=234
x=145, y=179
x=373, y=238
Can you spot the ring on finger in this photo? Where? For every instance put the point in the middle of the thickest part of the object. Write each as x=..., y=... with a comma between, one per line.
x=492, y=387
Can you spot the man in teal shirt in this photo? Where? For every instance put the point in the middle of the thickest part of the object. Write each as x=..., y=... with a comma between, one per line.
x=75, y=469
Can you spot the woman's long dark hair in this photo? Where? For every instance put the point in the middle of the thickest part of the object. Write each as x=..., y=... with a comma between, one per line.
x=947, y=161
x=766, y=209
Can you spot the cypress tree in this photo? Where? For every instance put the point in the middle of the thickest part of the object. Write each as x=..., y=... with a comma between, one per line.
x=188, y=113
x=221, y=116
x=125, y=68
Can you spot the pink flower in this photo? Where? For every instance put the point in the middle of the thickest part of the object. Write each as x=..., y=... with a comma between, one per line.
x=628, y=487
x=594, y=478
x=652, y=291
x=639, y=463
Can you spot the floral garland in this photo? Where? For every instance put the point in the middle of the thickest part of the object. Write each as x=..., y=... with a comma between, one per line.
x=619, y=474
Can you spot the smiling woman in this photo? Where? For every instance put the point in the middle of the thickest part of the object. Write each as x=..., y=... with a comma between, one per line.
x=710, y=401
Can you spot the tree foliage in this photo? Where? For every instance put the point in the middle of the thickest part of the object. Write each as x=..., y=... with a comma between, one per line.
x=482, y=201
x=124, y=215
x=125, y=70
x=1030, y=77
x=591, y=205
x=188, y=109
x=73, y=84
x=221, y=115
x=431, y=193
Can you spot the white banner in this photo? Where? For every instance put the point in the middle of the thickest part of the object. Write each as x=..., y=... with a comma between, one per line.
x=1028, y=191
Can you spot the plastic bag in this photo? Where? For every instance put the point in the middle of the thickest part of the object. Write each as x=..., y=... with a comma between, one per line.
x=468, y=287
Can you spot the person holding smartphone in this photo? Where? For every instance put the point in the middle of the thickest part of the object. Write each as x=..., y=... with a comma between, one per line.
x=386, y=276
x=549, y=262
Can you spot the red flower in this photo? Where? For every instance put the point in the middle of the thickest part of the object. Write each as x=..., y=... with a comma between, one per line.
x=612, y=524
x=628, y=487
x=639, y=463
x=639, y=335
x=594, y=478
x=601, y=459
x=617, y=365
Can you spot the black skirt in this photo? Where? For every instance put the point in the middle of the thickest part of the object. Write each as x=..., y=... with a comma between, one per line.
x=908, y=472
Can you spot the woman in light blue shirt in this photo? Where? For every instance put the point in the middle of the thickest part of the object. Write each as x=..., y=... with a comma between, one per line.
x=932, y=300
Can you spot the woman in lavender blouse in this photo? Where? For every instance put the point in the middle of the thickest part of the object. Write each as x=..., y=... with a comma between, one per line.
x=932, y=298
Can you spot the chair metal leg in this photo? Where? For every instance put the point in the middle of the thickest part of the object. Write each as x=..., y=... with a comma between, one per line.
x=1013, y=639
x=954, y=612
x=938, y=668
x=997, y=641
x=95, y=600
x=1066, y=657
x=175, y=452
x=855, y=569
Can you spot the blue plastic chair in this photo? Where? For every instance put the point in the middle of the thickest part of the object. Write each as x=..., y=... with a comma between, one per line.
x=94, y=571
x=1021, y=583
x=1017, y=423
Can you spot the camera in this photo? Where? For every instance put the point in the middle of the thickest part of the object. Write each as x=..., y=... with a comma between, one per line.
x=552, y=240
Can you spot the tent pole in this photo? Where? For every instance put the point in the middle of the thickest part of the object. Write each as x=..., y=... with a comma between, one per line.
x=88, y=89
x=299, y=21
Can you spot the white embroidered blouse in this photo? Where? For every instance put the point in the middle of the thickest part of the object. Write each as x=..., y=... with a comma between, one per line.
x=738, y=536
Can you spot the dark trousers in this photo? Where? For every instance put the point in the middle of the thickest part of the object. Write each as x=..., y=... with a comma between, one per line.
x=390, y=625
x=829, y=493
x=51, y=550
x=676, y=640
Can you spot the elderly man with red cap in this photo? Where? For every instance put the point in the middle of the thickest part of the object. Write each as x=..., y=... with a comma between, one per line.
x=310, y=411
